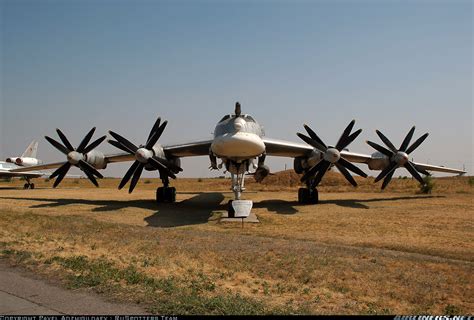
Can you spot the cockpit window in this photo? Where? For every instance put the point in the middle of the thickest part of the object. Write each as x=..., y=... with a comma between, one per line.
x=225, y=118
x=249, y=118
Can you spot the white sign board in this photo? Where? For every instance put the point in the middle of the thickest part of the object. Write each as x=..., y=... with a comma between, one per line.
x=242, y=208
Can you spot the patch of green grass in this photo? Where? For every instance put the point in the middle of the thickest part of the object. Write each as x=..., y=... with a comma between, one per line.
x=428, y=185
x=16, y=255
x=470, y=181
x=193, y=294
x=452, y=310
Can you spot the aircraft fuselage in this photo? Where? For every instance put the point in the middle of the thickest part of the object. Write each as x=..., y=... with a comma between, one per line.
x=238, y=138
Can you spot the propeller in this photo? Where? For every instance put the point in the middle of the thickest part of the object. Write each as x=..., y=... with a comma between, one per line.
x=399, y=157
x=144, y=155
x=75, y=157
x=331, y=155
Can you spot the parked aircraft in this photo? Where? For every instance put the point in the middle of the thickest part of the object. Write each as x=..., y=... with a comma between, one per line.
x=27, y=159
x=240, y=144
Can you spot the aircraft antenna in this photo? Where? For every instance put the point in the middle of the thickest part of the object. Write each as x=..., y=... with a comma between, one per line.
x=238, y=110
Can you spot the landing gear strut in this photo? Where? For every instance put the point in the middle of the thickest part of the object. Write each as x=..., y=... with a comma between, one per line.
x=166, y=193
x=308, y=195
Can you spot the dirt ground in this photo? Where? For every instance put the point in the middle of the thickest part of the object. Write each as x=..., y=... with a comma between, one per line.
x=370, y=252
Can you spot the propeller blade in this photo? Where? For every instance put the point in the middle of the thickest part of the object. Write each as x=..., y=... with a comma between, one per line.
x=380, y=149
x=321, y=173
x=57, y=145
x=90, y=176
x=154, y=128
x=64, y=169
x=129, y=173
x=124, y=142
x=94, y=144
x=311, y=172
x=151, y=142
x=168, y=164
x=60, y=169
x=314, y=136
x=422, y=171
x=65, y=140
x=387, y=179
x=119, y=146
x=384, y=172
x=312, y=142
x=407, y=139
x=85, y=141
x=344, y=135
x=346, y=174
x=87, y=166
x=409, y=166
x=416, y=143
x=160, y=167
x=386, y=141
x=136, y=176
x=352, y=167
x=349, y=139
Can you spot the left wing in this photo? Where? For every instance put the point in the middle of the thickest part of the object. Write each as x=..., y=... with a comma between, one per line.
x=294, y=149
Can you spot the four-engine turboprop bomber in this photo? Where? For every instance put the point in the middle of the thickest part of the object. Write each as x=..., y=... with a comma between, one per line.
x=241, y=146
x=27, y=159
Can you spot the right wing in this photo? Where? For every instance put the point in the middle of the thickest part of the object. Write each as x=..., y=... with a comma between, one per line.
x=198, y=148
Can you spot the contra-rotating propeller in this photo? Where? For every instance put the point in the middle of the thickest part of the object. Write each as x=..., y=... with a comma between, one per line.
x=331, y=155
x=144, y=155
x=75, y=157
x=399, y=157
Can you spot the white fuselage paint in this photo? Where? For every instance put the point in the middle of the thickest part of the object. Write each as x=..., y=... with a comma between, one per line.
x=238, y=138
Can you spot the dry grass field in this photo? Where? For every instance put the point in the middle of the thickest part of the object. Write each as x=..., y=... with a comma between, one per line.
x=358, y=251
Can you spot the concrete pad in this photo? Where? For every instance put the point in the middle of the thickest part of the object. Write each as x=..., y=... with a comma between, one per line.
x=22, y=294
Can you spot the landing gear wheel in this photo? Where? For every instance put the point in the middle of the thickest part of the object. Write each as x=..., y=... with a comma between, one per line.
x=308, y=196
x=166, y=194
x=26, y=186
x=230, y=210
x=32, y=186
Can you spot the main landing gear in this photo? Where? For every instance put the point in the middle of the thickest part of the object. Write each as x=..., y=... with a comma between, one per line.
x=166, y=194
x=28, y=184
x=308, y=195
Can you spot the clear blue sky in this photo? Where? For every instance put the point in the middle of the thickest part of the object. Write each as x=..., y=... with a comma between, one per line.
x=119, y=64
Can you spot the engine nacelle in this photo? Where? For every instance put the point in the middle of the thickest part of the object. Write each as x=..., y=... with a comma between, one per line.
x=96, y=159
x=24, y=161
x=378, y=161
x=300, y=164
x=261, y=172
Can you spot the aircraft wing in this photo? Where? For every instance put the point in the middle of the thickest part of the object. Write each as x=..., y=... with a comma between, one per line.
x=430, y=167
x=199, y=148
x=294, y=149
x=281, y=148
x=31, y=174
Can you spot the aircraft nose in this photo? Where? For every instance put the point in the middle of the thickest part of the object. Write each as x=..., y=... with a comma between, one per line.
x=239, y=124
